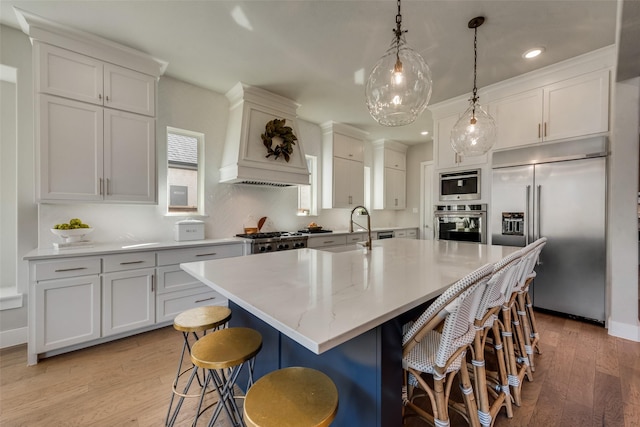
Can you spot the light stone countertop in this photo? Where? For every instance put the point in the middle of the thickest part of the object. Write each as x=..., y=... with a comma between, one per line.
x=322, y=299
x=121, y=247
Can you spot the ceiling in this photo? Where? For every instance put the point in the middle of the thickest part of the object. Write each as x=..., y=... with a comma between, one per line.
x=319, y=52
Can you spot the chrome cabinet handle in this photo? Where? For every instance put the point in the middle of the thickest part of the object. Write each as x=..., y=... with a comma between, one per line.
x=100, y=96
x=100, y=186
x=153, y=288
x=205, y=299
x=70, y=269
x=539, y=132
x=209, y=254
x=131, y=262
x=108, y=186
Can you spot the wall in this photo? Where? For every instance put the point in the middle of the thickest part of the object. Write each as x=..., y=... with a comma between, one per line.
x=15, y=51
x=622, y=269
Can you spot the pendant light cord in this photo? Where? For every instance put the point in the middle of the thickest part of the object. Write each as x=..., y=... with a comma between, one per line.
x=398, y=32
x=475, y=63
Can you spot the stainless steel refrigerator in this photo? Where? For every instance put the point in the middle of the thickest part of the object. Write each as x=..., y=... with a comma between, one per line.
x=557, y=191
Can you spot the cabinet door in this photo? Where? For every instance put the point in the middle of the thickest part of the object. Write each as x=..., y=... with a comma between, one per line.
x=577, y=106
x=348, y=183
x=395, y=188
x=67, y=312
x=518, y=119
x=68, y=74
x=129, y=90
x=448, y=158
x=128, y=301
x=394, y=159
x=130, y=157
x=347, y=147
x=71, y=149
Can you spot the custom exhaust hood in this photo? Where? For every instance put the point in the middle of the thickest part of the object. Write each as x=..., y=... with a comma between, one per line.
x=244, y=157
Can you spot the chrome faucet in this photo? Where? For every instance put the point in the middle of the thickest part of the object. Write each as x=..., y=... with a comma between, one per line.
x=351, y=222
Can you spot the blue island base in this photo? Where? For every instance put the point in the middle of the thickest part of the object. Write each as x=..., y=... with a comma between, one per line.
x=367, y=370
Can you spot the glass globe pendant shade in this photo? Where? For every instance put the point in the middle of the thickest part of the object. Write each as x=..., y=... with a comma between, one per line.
x=474, y=133
x=399, y=86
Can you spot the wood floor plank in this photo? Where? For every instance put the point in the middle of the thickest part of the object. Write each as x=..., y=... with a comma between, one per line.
x=608, y=406
x=128, y=382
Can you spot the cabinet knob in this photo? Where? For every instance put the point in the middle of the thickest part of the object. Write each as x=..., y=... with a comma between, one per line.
x=107, y=98
x=100, y=96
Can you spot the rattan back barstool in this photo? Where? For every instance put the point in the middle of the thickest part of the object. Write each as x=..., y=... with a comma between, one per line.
x=441, y=354
x=191, y=323
x=492, y=388
x=292, y=397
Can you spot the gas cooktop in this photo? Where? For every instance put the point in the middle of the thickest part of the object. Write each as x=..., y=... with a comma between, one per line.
x=269, y=235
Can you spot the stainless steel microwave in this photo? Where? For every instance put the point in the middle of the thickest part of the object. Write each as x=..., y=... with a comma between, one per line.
x=462, y=185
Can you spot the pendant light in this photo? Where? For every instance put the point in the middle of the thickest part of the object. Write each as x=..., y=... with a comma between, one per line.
x=475, y=132
x=399, y=86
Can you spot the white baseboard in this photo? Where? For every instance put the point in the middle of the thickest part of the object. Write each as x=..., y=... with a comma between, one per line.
x=13, y=337
x=624, y=330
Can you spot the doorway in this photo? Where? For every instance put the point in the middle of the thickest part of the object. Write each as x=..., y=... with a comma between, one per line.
x=426, y=200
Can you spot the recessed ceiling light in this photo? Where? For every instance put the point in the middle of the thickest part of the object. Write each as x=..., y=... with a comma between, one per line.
x=424, y=132
x=532, y=53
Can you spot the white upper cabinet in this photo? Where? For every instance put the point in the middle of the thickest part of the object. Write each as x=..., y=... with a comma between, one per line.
x=446, y=156
x=71, y=149
x=95, y=116
x=389, y=175
x=577, y=106
x=62, y=72
x=129, y=157
x=518, y=119
x=343, y=166
x=570, y=108
x=95, y=129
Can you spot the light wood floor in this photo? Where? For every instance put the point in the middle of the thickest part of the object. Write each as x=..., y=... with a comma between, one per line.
x=583, y=378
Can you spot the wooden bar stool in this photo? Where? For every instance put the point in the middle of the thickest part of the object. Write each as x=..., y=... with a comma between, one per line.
x=223, y=353
x=288, y=397
x=191, y=323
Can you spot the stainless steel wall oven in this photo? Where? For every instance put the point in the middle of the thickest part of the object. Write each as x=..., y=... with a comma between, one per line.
x=465, y=223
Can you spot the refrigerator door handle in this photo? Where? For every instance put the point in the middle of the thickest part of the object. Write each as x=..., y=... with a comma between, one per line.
x=538, y=218
x=527, y=212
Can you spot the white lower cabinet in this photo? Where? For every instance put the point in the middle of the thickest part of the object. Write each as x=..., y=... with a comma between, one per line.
x=82, y=301
x=128, y=301
x=67, y=312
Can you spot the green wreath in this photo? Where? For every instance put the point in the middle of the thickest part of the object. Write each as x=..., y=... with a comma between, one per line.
x=276, y=128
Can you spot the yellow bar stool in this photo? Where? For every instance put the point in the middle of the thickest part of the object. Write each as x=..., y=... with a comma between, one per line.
x=223, y=353
x=191, y=323
x=288, y=397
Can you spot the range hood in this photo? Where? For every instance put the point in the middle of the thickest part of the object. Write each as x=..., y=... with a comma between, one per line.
x=244, y=157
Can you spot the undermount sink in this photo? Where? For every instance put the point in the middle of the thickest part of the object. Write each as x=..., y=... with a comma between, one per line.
x=336, y=249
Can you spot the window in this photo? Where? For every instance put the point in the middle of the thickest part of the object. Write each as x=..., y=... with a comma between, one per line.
x=307, y=194
x=185, y=171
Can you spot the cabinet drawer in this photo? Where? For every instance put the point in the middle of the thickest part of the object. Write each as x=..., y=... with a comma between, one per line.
x=70, y=267
x=130, y=261
x=177, y=256
x=169, y=305
x=172, y=278
x=318, y=242
x=412, y=234
x=400, y=233
x=356, y=237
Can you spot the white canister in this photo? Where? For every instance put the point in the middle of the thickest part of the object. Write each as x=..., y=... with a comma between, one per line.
x=189, y=229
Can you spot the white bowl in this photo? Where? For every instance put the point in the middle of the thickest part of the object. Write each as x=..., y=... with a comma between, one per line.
x=72, y=235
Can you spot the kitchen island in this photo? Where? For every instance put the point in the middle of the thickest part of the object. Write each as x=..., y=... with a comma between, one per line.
x=342, y=313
